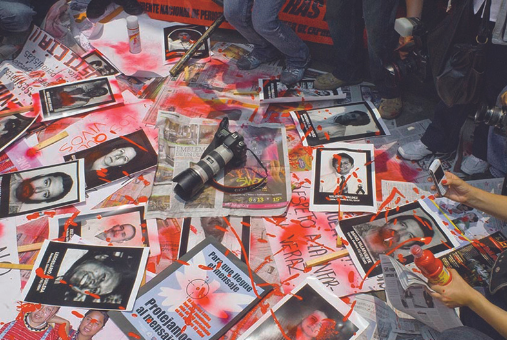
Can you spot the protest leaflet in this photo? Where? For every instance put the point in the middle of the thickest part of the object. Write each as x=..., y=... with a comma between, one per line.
x=78, y=97
x=344, y=179
x=194, y=230
x=200, y=296
x=274, y=91
x=393, y=233
x=45, y=188
x=182, y=141
x=309, y=303
x=323, y=126
x=409, y=293
x=96, y=277
x=179, y=38
x=117, y=158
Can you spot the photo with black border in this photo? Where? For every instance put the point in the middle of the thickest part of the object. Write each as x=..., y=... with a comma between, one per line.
x=122, y=226
x=13, y=127
x=178, y=39
x=203, y=294
x=308, y=312
x=338, y=123
x=352, y=166
x=44, y=188
x=117, y=158
x=274, y=91
x=392, y=233
x=75, y=96
x=86, y=276
x=196, y=229
x=100, y=63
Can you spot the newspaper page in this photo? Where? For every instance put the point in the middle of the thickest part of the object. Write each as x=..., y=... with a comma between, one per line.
x=344, y=179
x=394, y=233
x=465, y=222
x=309, y=302
x=328, y=125
x=274, y=91
x=183, y=140
x=202, y=295
x=410, y=294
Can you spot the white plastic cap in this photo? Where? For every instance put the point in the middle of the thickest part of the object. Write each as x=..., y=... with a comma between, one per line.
x=404, y=27
x=132, y=22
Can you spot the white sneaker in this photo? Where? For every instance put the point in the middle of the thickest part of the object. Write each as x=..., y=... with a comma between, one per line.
x=473, y=165
x=414, y=151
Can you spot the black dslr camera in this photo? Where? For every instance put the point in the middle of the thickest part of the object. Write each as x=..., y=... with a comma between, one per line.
x=416, y=62
x=226, y=147
x=496, y=117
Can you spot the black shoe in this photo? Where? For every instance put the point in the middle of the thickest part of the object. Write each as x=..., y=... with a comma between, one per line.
x=97, y=8
x=131, y=7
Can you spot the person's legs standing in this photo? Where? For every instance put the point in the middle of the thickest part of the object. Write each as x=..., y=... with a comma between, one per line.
x=239, y=14
x=379, y=17
x=344, y=19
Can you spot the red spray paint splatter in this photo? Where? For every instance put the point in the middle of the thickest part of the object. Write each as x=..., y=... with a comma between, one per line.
x=40, y=273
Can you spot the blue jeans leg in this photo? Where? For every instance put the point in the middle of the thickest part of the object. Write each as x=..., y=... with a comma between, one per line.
x=343, y=18
x=239, y=14
x=462, y=333
x=266, y=22
x=15, y=16
x=379, y=17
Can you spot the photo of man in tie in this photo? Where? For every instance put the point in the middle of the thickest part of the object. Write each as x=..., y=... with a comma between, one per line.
x=342, y=181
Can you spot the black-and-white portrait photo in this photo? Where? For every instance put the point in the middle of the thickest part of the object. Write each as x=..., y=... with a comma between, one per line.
x=344, y=177
x=100, y=63
x=197, y=229
x=42, y=188
x=113, y=226
x=306, y=314
x=339, y=123
x=73, y=96
x=13, y=126
x=180, y=38
x=116, y=158
x=87, y=276
x=394, y=234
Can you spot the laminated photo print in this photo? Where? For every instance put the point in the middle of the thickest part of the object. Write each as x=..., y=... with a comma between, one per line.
x=393, y=233
x=339, y=123
x=43, y=188
x=196, y=229
x=78, y=275
x=100, y=63
x=310, y=311
x=77, y=97
x=116, y=159
x=180, y=38
x=13, y=127
x=343, y=178
x=274, y=91
x=117, y=226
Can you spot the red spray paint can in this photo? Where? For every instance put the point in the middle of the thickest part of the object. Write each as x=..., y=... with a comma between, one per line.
x=432, y=268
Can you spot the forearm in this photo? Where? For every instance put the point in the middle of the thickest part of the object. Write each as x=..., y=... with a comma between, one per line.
x=493, y=315
x=414, y=8
x=495, y=205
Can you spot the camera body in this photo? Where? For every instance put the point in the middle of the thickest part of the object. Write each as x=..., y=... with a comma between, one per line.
x=416, y=62
x=496, y=117
x=226, y=147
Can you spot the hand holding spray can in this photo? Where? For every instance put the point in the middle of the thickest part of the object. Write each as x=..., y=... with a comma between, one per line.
x=134, y=36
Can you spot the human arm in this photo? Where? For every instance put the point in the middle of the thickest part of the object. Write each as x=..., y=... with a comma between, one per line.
x=414, y=8
x=458, y=293
x=462, y=192
x=62, y=322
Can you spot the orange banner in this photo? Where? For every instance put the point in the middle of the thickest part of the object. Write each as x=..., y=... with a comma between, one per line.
x=305, y=17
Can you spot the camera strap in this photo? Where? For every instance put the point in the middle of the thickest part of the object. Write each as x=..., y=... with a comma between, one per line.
x=237, y=190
